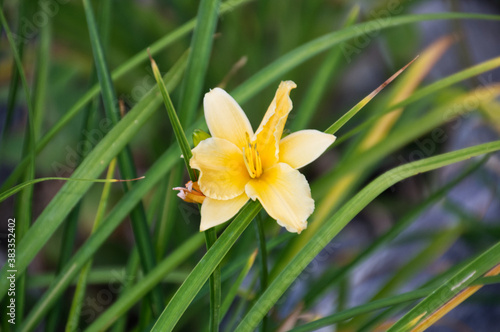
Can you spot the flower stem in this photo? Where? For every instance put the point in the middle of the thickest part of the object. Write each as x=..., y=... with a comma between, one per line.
x=214, y=283
x=261, y=239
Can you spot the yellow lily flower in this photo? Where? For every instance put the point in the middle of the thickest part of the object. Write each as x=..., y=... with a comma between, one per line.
x=237, y=164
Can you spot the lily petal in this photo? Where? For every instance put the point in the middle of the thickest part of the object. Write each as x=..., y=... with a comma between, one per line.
x=225, y=118
x=303, y=147
x=223, y=173
x=285, y=195
x=215, y=212
x=271, y=128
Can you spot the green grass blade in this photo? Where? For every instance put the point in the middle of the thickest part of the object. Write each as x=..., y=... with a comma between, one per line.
x=200, y=274
x=201, y=46
x=174, y=121
x=424, y=92
x=344, y=215
x=21, y=186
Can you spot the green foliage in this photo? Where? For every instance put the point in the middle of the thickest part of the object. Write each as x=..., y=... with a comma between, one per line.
x=167, y=278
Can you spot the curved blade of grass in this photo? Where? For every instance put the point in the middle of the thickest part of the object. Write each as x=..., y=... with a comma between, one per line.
x=345, y=214
x=450, y=294
x=201, y=46
x=133, y=62
x=321, y=80
x=299, y=55
x=95, y=162
x=200, y=274
x=352, y=112
x=329, y=279
x=19, y=187
x=180, y=135
x=76, y=304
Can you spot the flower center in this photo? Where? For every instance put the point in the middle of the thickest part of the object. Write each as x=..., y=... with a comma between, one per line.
x=252, y=159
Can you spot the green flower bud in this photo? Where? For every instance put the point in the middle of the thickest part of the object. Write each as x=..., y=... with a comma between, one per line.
x=199, y=135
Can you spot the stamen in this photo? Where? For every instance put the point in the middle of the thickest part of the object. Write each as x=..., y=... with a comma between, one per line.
x=251, y=158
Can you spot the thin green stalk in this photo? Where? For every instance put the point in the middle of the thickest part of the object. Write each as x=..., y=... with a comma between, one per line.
x=21, y=186
x=125, y=160
x=210, y=234
x=261, y=240
x=76, y=304
x=201, y=46
x=214, y=284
